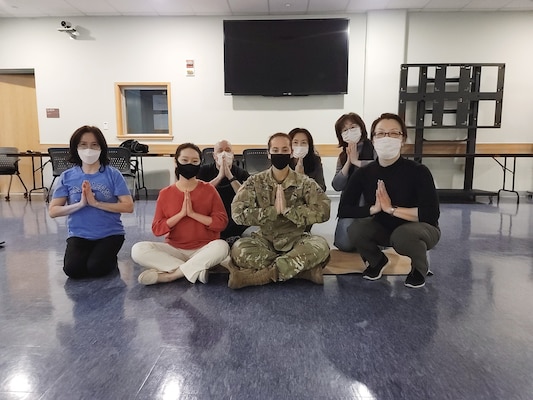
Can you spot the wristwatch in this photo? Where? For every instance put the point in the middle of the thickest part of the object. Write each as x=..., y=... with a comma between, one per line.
x=233, y=179
x=393, y=210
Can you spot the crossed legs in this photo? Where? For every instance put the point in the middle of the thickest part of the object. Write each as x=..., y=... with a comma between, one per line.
x=257, y=253
x=165, y=263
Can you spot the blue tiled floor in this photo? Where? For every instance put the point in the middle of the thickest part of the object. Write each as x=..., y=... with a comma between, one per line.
x=468, y=334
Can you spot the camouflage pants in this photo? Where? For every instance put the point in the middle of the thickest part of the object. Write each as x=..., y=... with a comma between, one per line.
x=258, y=253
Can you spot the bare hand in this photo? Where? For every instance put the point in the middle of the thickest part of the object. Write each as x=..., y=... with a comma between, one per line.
x=280, y=202
x=353, y=155
x=183, y=211
x=188, y=204
x=226, y=167
x=88, y=194
x=300, y=166
x=383, y=196
x=376, y=208
x=83, y=200
x=221, y=171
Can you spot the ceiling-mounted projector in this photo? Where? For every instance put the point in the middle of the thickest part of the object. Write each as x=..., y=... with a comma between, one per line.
x=68, y=28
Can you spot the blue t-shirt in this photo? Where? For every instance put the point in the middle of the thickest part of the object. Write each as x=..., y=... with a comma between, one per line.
x=89, y=222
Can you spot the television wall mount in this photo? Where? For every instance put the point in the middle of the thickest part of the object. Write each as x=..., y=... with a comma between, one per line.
x=449, y=96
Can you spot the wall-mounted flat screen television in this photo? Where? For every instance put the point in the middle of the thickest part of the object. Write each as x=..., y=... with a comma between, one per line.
x=288, y=57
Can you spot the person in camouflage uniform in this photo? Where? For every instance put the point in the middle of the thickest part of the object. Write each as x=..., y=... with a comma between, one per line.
x=282, y=203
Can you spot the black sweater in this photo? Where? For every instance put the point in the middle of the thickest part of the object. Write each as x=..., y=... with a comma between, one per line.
x=209, y=172
x=409, y=184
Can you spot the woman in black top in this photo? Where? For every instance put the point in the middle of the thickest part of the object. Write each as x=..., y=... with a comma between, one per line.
x=400, y=208
x=304, y=158
x=357, y=151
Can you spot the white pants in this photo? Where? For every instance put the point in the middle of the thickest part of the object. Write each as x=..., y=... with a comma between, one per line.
x=163, y=257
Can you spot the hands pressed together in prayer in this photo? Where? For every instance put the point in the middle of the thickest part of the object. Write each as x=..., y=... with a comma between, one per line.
x=225, y=169
x=280, y=203
x=299, y=165
x=383, y=201
x=87, y=195
x=353, y=154
x=187, y=209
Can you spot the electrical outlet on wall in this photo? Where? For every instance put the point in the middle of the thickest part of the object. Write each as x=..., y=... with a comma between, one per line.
x=106, y=125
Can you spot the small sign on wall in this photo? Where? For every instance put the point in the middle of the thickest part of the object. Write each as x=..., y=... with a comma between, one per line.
x=52, y=113
x=189, y=67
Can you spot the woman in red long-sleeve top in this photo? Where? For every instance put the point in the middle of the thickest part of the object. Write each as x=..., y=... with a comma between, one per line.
x=191, y=215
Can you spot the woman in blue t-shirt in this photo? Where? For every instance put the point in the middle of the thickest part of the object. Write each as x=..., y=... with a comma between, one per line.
x=92, y=194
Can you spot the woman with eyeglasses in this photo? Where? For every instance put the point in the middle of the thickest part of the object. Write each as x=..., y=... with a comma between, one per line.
x=357, y=151
x=304, y=159
x=92, y=195
x=191, y=215
x=400, y=209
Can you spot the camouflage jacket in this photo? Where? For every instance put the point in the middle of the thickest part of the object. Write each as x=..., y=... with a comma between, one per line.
x=306, y=202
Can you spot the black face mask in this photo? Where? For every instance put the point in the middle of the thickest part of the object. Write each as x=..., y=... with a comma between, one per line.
x=280, y=161
x=188, y=171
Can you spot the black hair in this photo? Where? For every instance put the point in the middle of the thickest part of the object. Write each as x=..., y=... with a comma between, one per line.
x=310, y=158
x=187, y=146
x=75, y=140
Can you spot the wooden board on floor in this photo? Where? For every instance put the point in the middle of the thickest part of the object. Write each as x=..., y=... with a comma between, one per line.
x=342, y=263
x=351, y=263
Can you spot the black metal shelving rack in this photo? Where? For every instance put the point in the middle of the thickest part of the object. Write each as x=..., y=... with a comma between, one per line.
x=444, y=89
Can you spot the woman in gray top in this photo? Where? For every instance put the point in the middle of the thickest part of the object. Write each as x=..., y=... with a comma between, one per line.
x=357, y=151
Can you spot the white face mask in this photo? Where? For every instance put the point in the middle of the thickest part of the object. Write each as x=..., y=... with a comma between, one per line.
x=352, y=135
x=89, y=156
x=300, y=151
x=224, y=154
x=387, y=148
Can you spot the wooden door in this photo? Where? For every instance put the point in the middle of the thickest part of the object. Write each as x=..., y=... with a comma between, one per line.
x=19, y=124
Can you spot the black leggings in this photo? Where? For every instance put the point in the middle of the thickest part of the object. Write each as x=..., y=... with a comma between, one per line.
x=86, y=258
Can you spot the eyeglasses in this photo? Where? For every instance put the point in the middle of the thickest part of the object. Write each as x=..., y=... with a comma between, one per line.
x=392, y=134
x=85, y=146
x=349, y=128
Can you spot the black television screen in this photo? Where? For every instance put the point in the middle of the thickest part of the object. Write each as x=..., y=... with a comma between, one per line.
x=288, y=57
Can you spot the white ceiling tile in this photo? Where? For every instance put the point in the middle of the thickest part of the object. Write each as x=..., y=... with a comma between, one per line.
x=210, y=7
x=7, y=8
x=486, y=4
x=451, y=5
x=406, y=4
x=239, y=7
x=328, y=6
x=172, y=7
x=366, y=5
x=519, y=5
x=133, y=7
x=56, y=7
x=288, y=6
x=65, y=8
x=36, y=8
x=93, y=7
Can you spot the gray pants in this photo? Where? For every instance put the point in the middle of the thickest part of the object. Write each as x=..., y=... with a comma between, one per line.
x=411, y=239
x=342, y=240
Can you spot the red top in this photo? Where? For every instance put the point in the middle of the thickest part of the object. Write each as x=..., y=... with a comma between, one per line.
x=189, y=233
